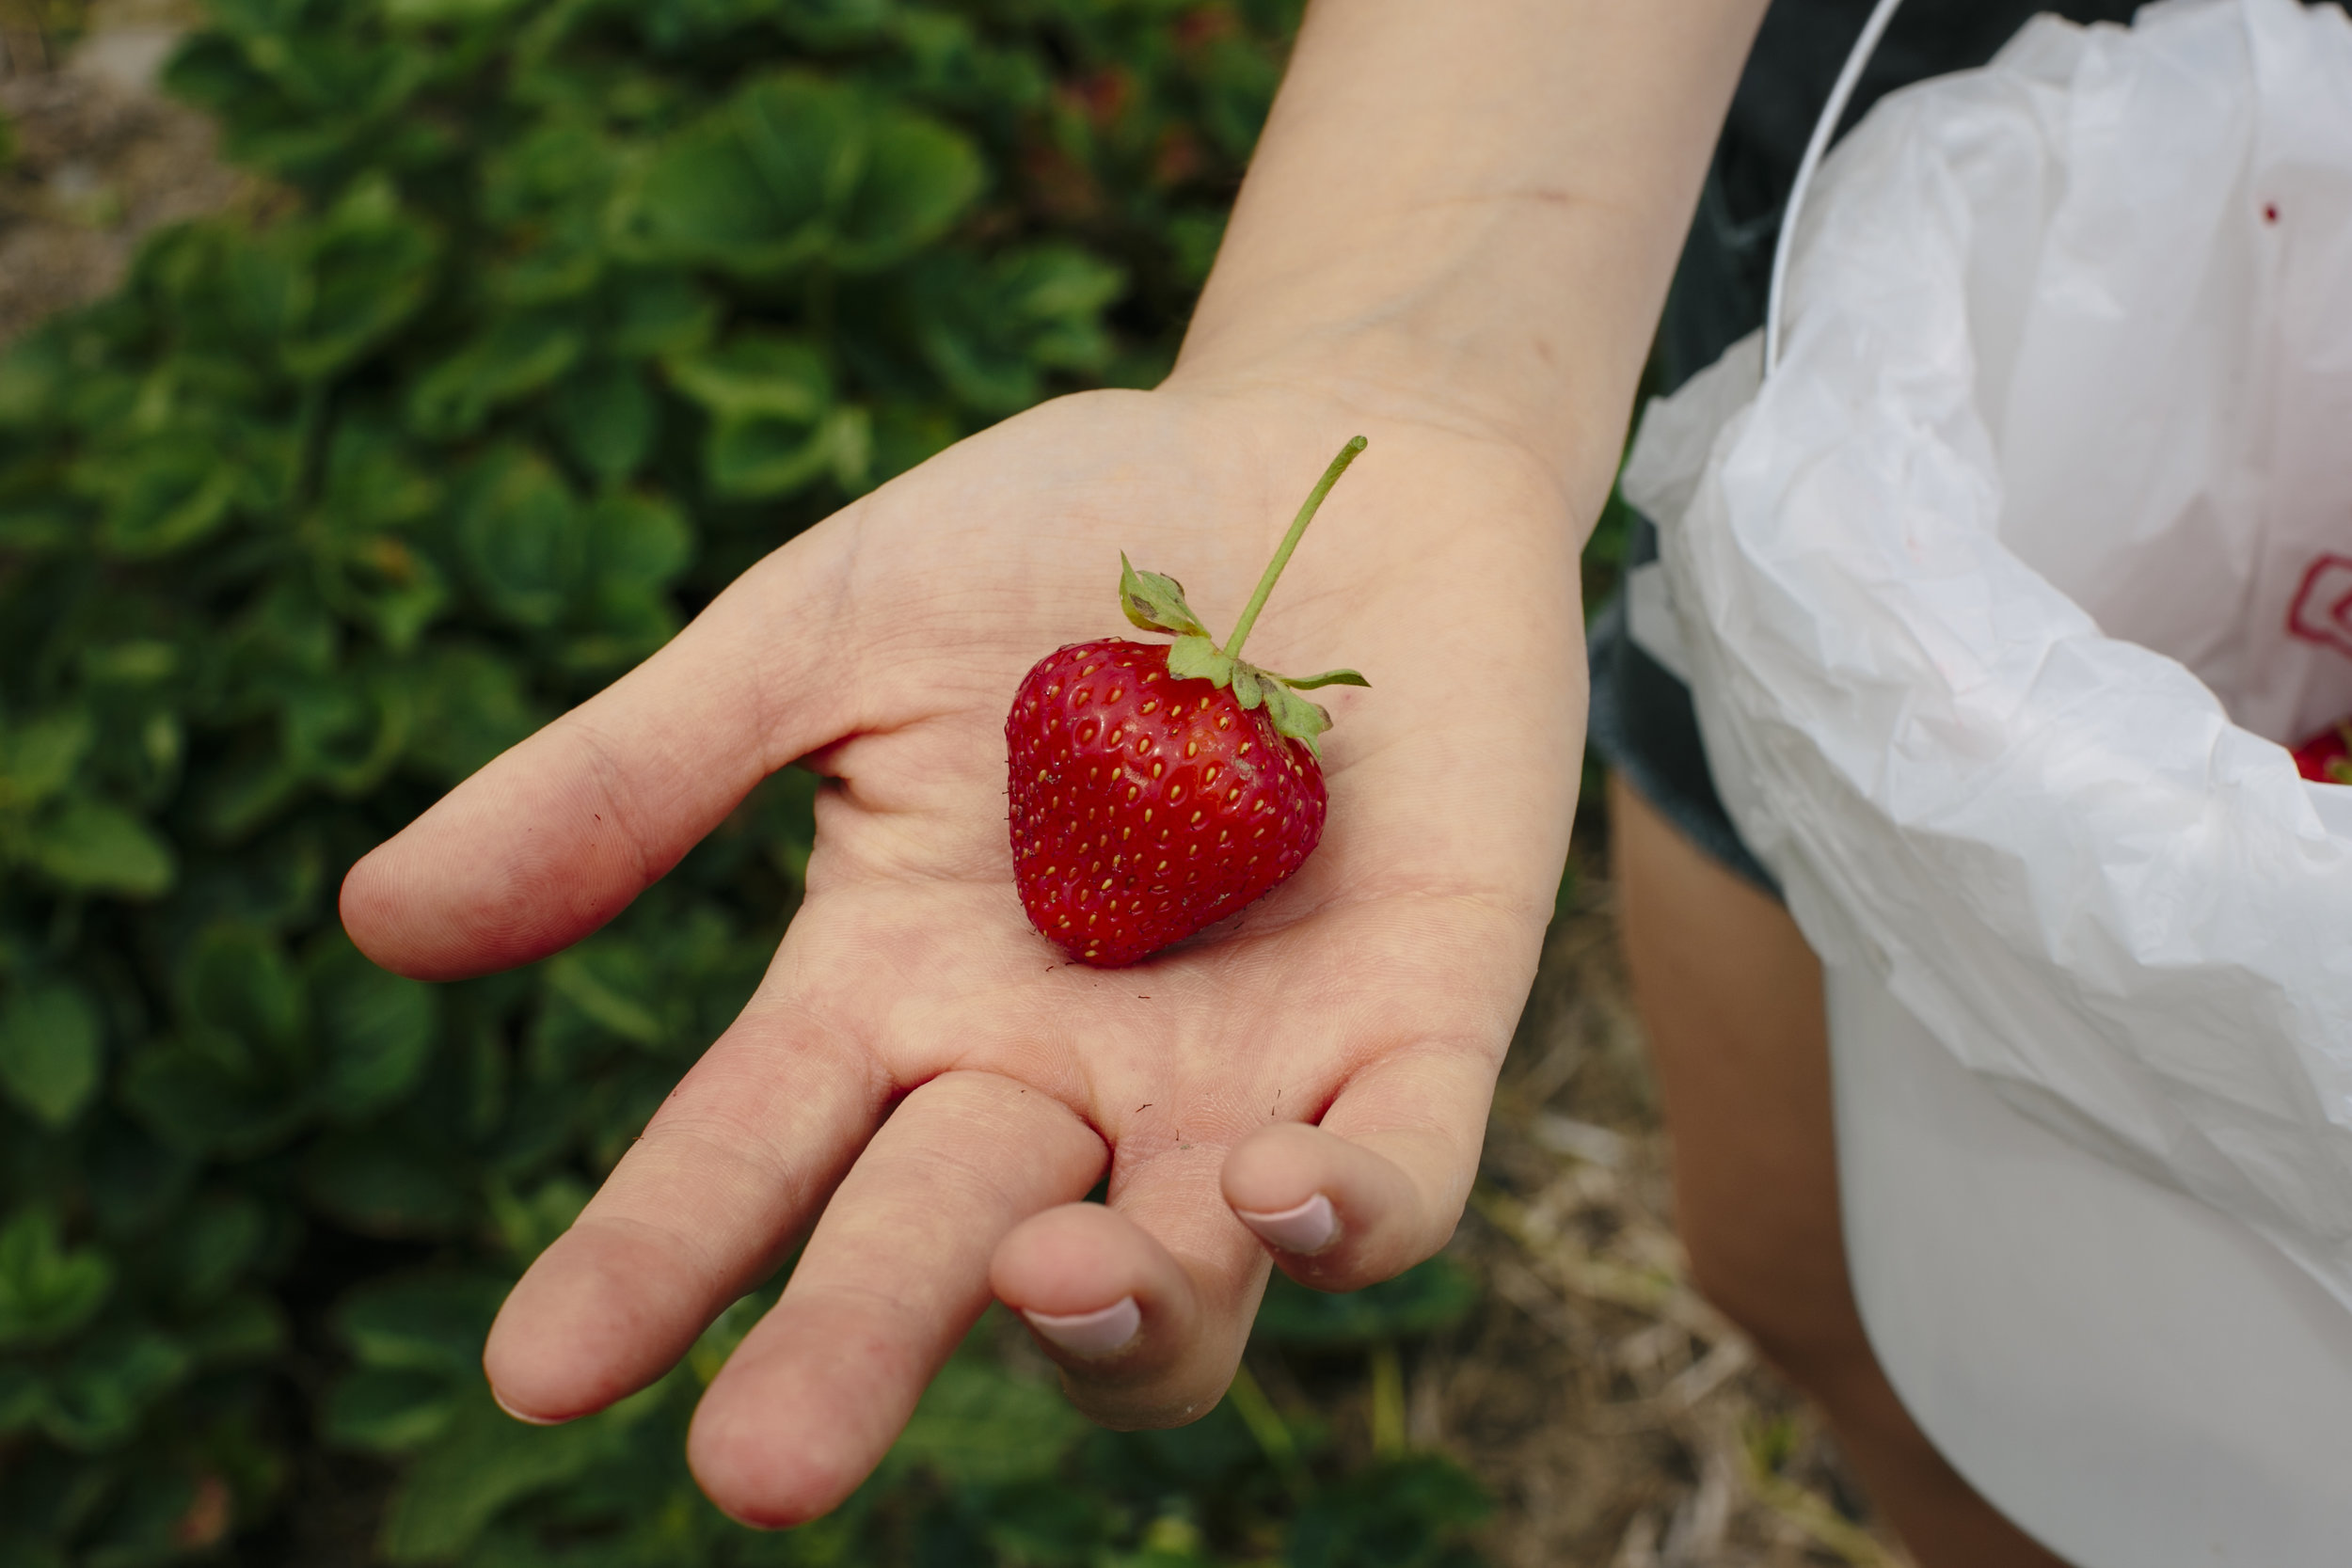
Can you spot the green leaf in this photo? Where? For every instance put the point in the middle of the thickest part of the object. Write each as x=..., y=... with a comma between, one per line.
x=519, y=530
x=383, y=1183
x=1248, y=689
x=1294, y=716
x=607, y=419
x=345, y=733
x=162, y=494
x=470, y=706
x=1156, y=603
x=551, y=176
x=518, y=356
x=38, y=758
x=203, y=1095
x=759, y=458
x=610, y=980
x=245, y=793
x=50, y=1051
x=33, y=371
x=23, y=1401
x=242, y=1330
x=375, y=480
x=99, y=847
x=994, y=329
x=432, y=1323
x=705, y=200
x=100, y=1397
x=393, y=588
x=442, y=13
x=978, y=1424
x=1329, y=678
x=136, y=661
x=1424, y=1298
x=46, y=1292
x=638, y=543
x=919, y=177
x=849, y=438
x=805, y=138
x=251, y=286
x=486, y=1461
x=236, y=980
x=529, y=1222
x=1405, y=1513
x=757, y=375
x=389, y=1410
x=376, y=1029
x=369, y=268
x=211, y=1245
x=1193, y=658
x=795, y=168
x=656, y=315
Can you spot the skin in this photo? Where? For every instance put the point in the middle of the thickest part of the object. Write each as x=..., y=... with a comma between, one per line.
x=1455, y=241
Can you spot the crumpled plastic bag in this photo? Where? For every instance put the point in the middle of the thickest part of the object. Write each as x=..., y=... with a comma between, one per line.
x=1999, y=596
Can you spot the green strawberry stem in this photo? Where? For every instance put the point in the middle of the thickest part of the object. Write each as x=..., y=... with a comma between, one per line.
x=1289, y=543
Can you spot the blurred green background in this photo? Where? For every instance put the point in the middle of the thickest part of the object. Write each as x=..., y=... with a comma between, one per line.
x=553, y=316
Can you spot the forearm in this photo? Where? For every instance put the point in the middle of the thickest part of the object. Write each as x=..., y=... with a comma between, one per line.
x=1471, y=210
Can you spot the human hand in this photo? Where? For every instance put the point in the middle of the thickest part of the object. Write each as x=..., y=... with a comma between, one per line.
x=922, y=1077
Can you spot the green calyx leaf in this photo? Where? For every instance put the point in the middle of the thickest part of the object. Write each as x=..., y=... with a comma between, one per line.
x=1194, y=657
x=1156, y=603
x=1294, y=716
x=1329, y=678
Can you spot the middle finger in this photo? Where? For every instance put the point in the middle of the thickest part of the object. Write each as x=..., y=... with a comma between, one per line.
x=894, y=1274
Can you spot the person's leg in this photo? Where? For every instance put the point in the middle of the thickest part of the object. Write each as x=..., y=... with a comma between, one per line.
x=1730, y=996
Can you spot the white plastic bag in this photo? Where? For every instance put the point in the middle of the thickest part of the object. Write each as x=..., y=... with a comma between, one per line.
x=1999, y=596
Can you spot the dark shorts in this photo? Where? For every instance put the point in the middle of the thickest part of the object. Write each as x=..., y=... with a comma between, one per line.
x=1642, y=722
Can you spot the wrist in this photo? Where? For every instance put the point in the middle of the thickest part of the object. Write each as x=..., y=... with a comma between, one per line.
x=1474, y=324
x=1467, y=216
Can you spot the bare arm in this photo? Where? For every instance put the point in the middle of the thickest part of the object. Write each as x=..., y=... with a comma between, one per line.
x=1476, y=205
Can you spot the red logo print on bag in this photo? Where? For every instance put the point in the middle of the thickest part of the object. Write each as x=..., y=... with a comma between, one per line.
x=2322, y=610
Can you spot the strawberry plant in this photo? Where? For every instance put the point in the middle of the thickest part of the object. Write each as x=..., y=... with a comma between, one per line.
x=561, y=312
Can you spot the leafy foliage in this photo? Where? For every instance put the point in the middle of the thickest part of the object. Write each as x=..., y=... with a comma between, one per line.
x=569, y=310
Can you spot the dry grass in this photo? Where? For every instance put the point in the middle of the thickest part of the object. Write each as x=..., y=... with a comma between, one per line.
x=98, y=163
x=1620, y=1421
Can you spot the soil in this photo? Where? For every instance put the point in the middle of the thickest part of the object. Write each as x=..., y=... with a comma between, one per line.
x=1618, y=1422
x=100, y=161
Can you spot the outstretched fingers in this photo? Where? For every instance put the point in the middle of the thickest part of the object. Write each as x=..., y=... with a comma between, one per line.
x=891, y=1279
x=1145, y=1304
x=555, y=837
x=1379, y=1184
x=701, y=1208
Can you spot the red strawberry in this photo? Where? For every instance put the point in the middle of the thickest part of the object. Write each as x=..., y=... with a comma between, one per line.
x=2327, y=757
x=1156, y=790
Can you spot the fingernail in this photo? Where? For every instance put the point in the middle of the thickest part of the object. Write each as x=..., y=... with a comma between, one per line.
x=1306, y=1229
x=1092, y=1333
x=527, y=1420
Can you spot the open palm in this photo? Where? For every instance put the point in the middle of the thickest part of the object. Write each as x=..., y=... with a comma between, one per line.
x=923, y=1078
